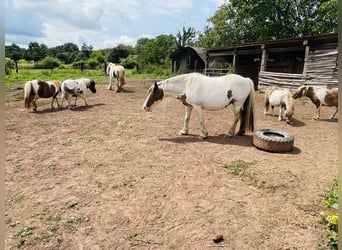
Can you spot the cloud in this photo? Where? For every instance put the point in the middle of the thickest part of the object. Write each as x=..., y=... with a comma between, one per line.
x=99, y=23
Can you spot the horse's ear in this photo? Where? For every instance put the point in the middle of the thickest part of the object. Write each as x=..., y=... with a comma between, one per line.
x=155, y=86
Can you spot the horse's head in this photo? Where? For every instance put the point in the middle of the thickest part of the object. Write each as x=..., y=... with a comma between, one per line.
x=91, y=86
x=290, y=105
x=301, y=91
x=154, y=94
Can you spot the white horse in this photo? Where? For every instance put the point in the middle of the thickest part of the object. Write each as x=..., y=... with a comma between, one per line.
x=319, y=96
x=281, y=98
x=198, y=92
x=36, y=89
x=118, y=72
x=76, y=88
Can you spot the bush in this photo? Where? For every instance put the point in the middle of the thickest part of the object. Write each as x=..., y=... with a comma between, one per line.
x=49, y=63
x=330, y=217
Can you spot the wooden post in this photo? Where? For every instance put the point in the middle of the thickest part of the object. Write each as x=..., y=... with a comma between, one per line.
x=307, y=51
x=234, y=62
x=264, y=56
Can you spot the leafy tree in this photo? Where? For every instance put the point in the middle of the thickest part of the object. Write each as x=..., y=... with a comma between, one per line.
x=36, y=51
x=86, y=51
x=118, y=52
x=15, y=53
x=186, y=37
x=158, y=50
x=240, y=21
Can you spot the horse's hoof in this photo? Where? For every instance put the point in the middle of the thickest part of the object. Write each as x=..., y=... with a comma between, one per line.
x=182, y=132
x=228, y=135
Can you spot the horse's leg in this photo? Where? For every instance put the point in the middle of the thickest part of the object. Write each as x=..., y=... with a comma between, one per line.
x=280, y=116
x=118, y=85
x=272, y=110
x=333, y=115
x=317, y=113
x=231, y=131
x=185, y=129
x=267, y=106
x=198, y=110
x=84, y=98
x=34, y=103
x=110, y=83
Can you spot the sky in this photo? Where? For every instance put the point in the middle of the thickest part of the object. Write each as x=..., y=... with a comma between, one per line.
x=101, y=23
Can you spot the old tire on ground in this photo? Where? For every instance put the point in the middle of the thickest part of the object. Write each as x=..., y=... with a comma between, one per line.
x=273, y=140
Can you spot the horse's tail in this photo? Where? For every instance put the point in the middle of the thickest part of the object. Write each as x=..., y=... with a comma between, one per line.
x=247, y=116
x=28, y=95
x=122, y=78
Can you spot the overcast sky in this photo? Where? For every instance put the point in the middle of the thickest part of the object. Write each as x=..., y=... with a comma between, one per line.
x=101, y=23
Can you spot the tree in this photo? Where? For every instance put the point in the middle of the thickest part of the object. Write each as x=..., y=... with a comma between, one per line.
x=240, y=21
x=36, y=51
x=158, y=50
x=118, y=52
x=186, y=37
x=15, y=53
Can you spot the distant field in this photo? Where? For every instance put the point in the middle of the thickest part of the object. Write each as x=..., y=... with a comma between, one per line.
x=99, y=76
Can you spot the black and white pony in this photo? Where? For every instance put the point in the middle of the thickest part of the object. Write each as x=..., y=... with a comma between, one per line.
x=36, y=89
x=118, y=73
x=76, y=88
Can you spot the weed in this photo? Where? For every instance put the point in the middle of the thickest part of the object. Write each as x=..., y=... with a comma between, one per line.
x=9, y=127
x=330, y=217
x=68, y=143
x=69, y=224
x=237, y=167
x=56, y=217
x=52, y=166
x=23, y=234
x=19, y=198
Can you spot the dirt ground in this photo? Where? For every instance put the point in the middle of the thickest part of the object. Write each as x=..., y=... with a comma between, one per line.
x=112, y=176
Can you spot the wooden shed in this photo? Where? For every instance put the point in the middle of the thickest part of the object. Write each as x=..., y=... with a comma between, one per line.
x=285, y=63
x=188, y=59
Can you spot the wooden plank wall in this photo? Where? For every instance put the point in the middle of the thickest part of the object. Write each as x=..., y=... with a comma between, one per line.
x=322, y=70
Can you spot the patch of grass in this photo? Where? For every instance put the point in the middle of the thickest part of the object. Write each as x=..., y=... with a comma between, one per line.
x=22, y=235
x=56, y=217
x=68, y=143
x=93, y=164
x=9, y=127
x=19, y=198
x=329, y=217
x=237, y=167
x=52, y=166
x=72, y=221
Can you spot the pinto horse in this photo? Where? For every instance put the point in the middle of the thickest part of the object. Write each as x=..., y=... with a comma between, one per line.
x=281, y=98
x=198, y=92
x=118, y=72
x=36, y=89
x=320, y=96
x=76, y=88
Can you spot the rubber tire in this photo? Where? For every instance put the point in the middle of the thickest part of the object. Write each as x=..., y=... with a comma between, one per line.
x=281, y=141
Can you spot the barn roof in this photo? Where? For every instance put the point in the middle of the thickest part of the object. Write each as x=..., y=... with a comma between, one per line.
x=282, y=43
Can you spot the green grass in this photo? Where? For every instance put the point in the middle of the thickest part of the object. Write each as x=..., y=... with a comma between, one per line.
x=99, y=76
x=329, y=217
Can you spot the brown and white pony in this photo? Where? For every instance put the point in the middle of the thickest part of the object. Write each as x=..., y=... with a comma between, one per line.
x=197, y=91
x=76, y=88
x=36, y=89
x=281, y=98
x=118, y=73
x=320, y=96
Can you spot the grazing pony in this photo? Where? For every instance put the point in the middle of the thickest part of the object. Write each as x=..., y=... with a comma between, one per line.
x=118, y=72
x=319, y=96
x=36, y=89
x=86, y=83
x=198, y=92
x=281, y=98
x=76, y=88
